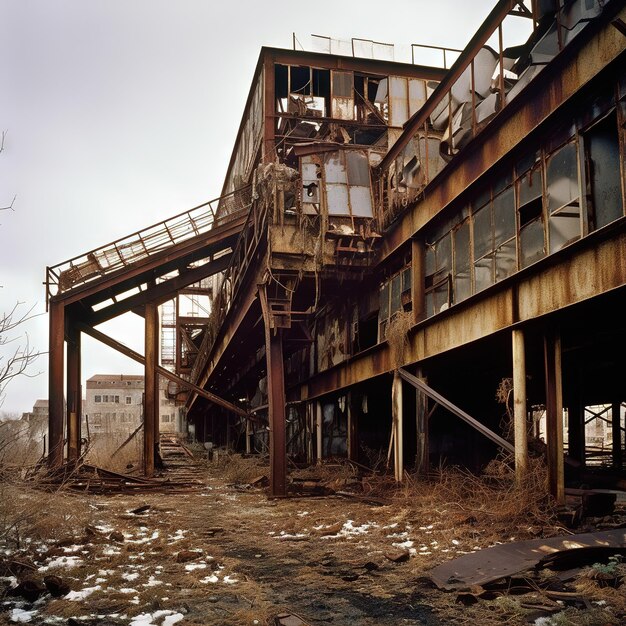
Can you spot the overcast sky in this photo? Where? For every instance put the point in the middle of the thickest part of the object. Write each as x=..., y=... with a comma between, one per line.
x=121, y=113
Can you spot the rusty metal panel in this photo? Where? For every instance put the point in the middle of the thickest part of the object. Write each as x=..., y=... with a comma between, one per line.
x=507, y=559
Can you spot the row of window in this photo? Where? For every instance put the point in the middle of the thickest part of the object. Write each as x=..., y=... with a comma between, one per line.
x=112, y=399
x=547, y=200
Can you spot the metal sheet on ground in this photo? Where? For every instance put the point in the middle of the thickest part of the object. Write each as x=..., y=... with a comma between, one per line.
x=504, y=560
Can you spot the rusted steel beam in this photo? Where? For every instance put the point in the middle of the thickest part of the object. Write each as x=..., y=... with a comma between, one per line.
x=150, y=408
x=455, y=410
x=557, y=281
x=422, y=418
x=554, y=415
x=161, y=292
x=74, y=394
x=131, y=354
x=353, y=430
x=498, y=13
x=218, y=238
x=56, y=372
x=276, y=399
x=156, y=394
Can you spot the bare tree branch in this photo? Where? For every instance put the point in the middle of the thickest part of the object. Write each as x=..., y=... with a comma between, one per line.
x=16, y=362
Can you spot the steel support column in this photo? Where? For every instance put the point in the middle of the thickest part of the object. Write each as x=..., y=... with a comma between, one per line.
x=56, y=374
x=319, y=437
x=149, y=408
x=397, y=426
x=554, y=415
x=74, y=393
x=421, y=417
x=157, y=395
x=353, y=443
x=276, y=399
x=519, y=406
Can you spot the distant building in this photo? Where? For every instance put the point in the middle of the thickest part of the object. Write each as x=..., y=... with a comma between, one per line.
x=114, y=404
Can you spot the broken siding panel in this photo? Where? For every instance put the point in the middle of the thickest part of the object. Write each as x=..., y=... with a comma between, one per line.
x=398, y=100
x=343, y=95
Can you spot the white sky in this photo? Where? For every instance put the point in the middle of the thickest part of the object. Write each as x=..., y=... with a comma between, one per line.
x=121, y=113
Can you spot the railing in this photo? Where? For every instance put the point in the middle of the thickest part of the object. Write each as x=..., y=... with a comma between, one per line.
x=360, y=48
x=144, y=243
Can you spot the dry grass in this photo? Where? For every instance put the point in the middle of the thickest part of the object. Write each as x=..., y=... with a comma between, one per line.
x=397, y=337
x=234, y=468
x=103, y=451
x=28, y=515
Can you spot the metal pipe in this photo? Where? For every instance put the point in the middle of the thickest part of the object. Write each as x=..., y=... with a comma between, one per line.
x=149, y=408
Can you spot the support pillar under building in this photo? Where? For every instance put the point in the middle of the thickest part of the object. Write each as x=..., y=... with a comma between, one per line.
x=421, y=418
x=398, y=427
x=74, y=392
x=150, y=408
x=554, y=415
x=56, y=372
x=519, y=406
x=319, y=439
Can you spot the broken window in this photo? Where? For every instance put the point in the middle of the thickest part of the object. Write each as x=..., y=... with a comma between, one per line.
x=462, y=277
x=530, y=211
x=563, y=197
x=348, y=183
x=395, y=296
x=438, y=275
x=603, y=181
x=343, y=95
x=311, y=175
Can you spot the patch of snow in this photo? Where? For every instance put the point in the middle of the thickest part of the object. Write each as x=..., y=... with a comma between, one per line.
x=302, y=513
x=130, y=575
x=152, y=582
x=128, y=590
x=62, y=561
x=12, y=580
x=229, y=581
x=100, y=580
x=172, y=619
x=20, y=615
x=210, y=579
x=111, y=551
x=105, y=572
x=73, y=548
x=82, y=594
x=105, y=528
x=192, y=566
x=455, y=542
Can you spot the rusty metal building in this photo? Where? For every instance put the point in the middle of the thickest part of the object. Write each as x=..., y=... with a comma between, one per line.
x=392, y=242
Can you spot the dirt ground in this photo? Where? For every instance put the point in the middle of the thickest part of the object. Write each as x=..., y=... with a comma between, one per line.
x=224, y=553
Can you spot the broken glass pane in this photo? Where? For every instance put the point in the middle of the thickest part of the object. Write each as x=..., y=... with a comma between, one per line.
x=337, y=199
x=396, y=290
x=335, y=169
x=361, y=201
x=562, y=177
x=532, y=247
x=442, y=297
x=483, y=242
x=462, y=286
x=398, y=100
x=342, y=84
x=603, y=155
x=462, y=247
x=483, y=273
x=444, y=254
x=358, y=168
x=504, y=216
x=384, y=302
x=565, y=227
x=506, y=260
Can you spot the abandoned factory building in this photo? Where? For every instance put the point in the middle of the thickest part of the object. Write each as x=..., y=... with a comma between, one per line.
x=401, y=256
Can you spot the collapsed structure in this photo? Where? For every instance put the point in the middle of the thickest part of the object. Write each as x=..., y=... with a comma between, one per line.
x=392, y=238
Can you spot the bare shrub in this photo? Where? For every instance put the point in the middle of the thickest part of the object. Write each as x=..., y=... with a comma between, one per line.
x=104, y=451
